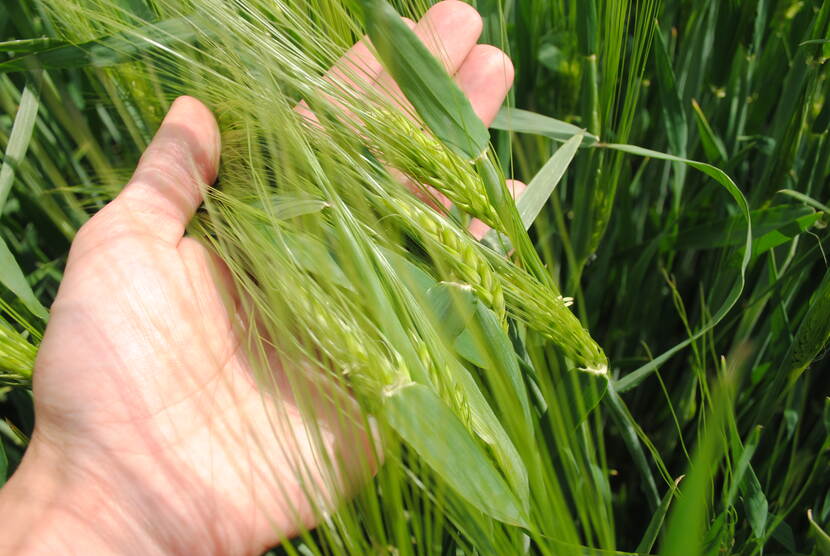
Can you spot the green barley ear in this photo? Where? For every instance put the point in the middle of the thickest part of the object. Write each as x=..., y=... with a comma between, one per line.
x=19, y=340
x=17, y=356
x=283, y=281
x=542, y=308
x=428, y=163
x=503, y=286
x=452, y=250
x=448, y=113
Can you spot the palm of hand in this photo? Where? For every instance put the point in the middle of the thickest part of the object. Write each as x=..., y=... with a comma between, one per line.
x=142, y=380
x=142, y=383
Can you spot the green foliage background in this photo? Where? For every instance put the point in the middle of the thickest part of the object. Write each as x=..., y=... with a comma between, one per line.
x=652, y=250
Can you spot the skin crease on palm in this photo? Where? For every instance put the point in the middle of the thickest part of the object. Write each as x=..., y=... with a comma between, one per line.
x=151, y=436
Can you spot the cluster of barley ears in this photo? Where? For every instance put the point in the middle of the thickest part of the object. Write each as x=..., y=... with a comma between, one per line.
x=506, y=428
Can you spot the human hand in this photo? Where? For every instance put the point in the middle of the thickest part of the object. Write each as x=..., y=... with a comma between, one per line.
x=151, y=434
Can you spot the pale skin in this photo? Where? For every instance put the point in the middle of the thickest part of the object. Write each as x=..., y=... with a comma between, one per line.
x=140, y=384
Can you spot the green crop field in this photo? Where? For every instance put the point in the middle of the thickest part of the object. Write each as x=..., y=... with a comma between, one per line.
x=630, y=361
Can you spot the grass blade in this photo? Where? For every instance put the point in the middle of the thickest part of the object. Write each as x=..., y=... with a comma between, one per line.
x=813, y=332
x=634, y=378
x=502, y=362
x=452, y=306
x=13, y=278
x=442, y=105
x=435, y=433
x=687, y=522
x=657, y=519
x=744, y=478
x=108, y=51
x=21, y=135
x=771, y=226
x=629, y=428
x=674, y=117
x=11, y=275
x=447, y=111
x=523, y=121
x=545, y=181
x=822, y=538
x=806, y=199
x=712, y=144
x=30, y=45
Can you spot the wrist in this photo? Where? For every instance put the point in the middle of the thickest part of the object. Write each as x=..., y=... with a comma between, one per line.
x=52, y=505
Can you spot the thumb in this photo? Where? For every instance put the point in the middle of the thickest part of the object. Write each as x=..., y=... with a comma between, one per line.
x=166, y=188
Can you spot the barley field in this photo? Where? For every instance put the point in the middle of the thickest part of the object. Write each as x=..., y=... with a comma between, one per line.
x=628, y=358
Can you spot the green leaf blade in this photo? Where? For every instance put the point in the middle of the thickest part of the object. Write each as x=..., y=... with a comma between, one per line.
x=444, y=108
x=543, y=184
x=12, y=277
x=634, y=378
x=657, y=520
x=524, y=121
x=425, y=423
x=19, y=139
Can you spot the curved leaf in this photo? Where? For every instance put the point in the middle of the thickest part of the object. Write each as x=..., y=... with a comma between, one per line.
x=634, y=378
x=524, y=121
x=13, y=278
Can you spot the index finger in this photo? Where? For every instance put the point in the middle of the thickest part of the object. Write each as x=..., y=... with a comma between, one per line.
x=357, y=70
